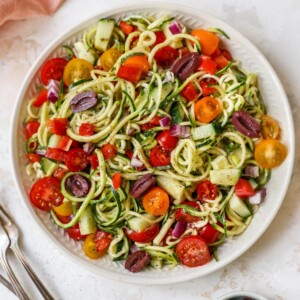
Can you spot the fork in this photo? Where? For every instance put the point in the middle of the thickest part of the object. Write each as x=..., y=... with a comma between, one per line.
x=13, y=233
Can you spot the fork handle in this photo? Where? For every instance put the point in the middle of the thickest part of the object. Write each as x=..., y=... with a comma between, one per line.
x=43, y=290
x=13, y=279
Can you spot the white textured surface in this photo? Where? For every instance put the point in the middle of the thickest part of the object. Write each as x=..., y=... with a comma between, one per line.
x=271, y=267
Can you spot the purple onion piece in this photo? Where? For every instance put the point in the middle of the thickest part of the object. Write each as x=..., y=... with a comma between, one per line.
x=41, y=152
x=164, y=122
x=136, y=162
x=183, y=67
x=179, y=229
x=83, y=101
x=78, y=185
x=252, y=171
x=180, y=131
x=245, y=124
x=134, y=248
x=137, y=261
x=89, y=148
x=53, y=84
x=258, y=197
x=142, y=185
x=175, y=27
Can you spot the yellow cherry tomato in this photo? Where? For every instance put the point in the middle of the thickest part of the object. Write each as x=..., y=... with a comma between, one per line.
x=64, y=209
x=90, y=248
x=109, y=58
x=269, y=128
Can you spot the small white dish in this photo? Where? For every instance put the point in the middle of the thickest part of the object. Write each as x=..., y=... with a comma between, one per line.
x=242, y=296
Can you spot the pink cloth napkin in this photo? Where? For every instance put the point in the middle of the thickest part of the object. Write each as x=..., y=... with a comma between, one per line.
x=22, y=9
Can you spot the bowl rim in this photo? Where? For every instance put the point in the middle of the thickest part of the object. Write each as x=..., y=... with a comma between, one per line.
x=128, y=278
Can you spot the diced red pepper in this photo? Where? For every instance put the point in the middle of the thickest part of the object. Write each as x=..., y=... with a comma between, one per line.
x=30, y=128
x=126, y=28
x=56, y=154
x=130, y=73
x=206, y=90
x=86, y=129
x=93, y=159
x=32, y=157
x=57, y=126
x=65, y=143
x=160, y=38
x=41, y=98
x=209, y=66
x=221, y=61
x=244, y=189
x=116, y=179
x=59, y=173
x=189, y=92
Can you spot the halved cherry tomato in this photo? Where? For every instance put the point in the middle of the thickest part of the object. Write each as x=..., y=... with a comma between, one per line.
x=183, y=216
x=30, y=128
x=166, y=56
x=207, y=109
x=76, y=160
x=192, y=251
x=32, y=157
x=59, y=173
x=137, y=61
x=116, y=180
x=56, y=154
x=189, y=92
x=208, y=40
x=65, y=143
x=208, y=65
x=65, y=209
x=130, y=73
x=102, y=240
x=53, y=69
x=45, y=193
x=160, y=38
x=57, y=125
x=166, y=141
x=74, y=233
x=86, y=129
x=156, y=202
x=151, y=124
x=269, y=128
x=77, y=69
x=109, y=151
x=126, y=28
x=109, y=58
x=209, y=233
x=146, y=236
x=159, y=157
x=244, y=189
x=41, y=98
x=93, y=159
x=206, y=90
x=270, y=153
x=89, y=247
x=207, y=191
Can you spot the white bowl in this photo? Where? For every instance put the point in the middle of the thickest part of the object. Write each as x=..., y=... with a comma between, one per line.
x=272, y=93
x=242, y=295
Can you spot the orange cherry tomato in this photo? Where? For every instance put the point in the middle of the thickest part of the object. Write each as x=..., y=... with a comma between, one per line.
x=156, y=201
x=269, y=128
x=208, y=40
x=207, y=109
x=109, y=58
x=270, y=153
x=137, y=61
x=89, y=247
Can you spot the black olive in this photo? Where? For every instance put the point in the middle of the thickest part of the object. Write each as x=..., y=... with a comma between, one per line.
x=142, y=185
x=83, y=101
x=78, y=185
x=137, y=261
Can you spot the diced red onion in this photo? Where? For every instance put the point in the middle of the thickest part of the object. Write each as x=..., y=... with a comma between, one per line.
x=136, y=162
x=180, y=131
x=41, y=152
x=164, y=122
x=53, y=83
x=130, y=131
x=175, y=27
x=134, y=248
x=252, y=171
x=258, y=197
x=53, y=90
x=89, y=148
x=179, y=229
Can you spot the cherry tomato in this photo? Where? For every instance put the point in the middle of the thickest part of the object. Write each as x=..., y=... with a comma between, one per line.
x=208, y=65
x=77, y=69
x=244, y=189
x=45, y=193
x=270, y=153
x=153, y=123
x=166, y=56
x=41, y=98
x=76, y=160
x=57, y=125
x=192, y=251
x=93, y=159
x=160, y=38
x=208, y=40
x=131, y=74
x=126, y=28
x=90, y=248
x=183, y=216
x=189, y=92
x=56, y=154
x=65, y=143
x=59, y=173
x=74, y=233
x=137, y=61
x=102, y=240
x=86, y=129
x=207, y=109
x=166, y=141
x=116, y=180
x=207, y=191
x=206, y=90
x=32, y=157
x=53, y=69
x=146, y=236
x=109, y=58
x=159, y=157
x=209, y=233
x=65, y=209
x=156, y=202
x=269, y=128
x=109, y=151
x=30, y=128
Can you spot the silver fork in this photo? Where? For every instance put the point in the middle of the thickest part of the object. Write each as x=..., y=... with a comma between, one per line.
x=13, y=234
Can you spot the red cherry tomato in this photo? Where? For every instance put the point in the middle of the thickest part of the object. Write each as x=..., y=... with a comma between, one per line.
x=209, y=233
x=86, y=129
x=183, y=216
x=74, y=233
x=116, y=180
x=145, y=236
x=109, y=151
x=32, y=157
x=30, y=128
x=160, y=37
x=102, y=240
x=41, y=98
x=57, y=125
x=159, y=157
x=153, y=123
x=207, y=190
x=244, y=189
x=53, y=69
x=76, y=160
x=45, y=193
x=56, y=154
x=93, y=159
x=192, y=251
x=166, y=56
x=206, y=89
x=167, y=141
x=189, y=92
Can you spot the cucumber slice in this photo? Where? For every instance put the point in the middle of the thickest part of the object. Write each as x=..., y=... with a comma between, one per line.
x=163, y=231
x=103, y=34
x=238, y=206
x=177, y=113
x=156, y=262
x=165, y=91
x=225, y=177
x=87, y=223
x=48, y=166
x=253, y=183
x=85, y=53
x=220, y=162
x=236, y=155
x=138, y=224
x=206, y=131
x=54, y=140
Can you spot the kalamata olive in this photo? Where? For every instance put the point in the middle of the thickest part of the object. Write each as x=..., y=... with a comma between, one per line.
x=137, y=261
x=89, y=148
x=78, y=185
x=83, y=101
x=142, y=185
x=183, y=67
x=245, y=124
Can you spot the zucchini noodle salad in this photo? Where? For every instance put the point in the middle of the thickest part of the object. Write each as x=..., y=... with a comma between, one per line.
x=148, y=142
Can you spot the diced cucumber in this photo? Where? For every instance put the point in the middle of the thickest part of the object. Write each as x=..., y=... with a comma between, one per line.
x=163, y=231
x=103, y=34
x=138, y=224
x=253, y=183
x=220, y=162
x=238, y=206
x=48, y=166
x=165, y=27
x=172, y=187
x=165, y=91
x=54, y=140
x=225, y=177
x=205, y=131
x=87, y=224
x=156, y=262
x=85, y=53
x=177, y=113
x=236, y=155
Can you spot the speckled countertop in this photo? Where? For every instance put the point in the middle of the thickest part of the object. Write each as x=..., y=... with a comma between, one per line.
x=271, y=267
